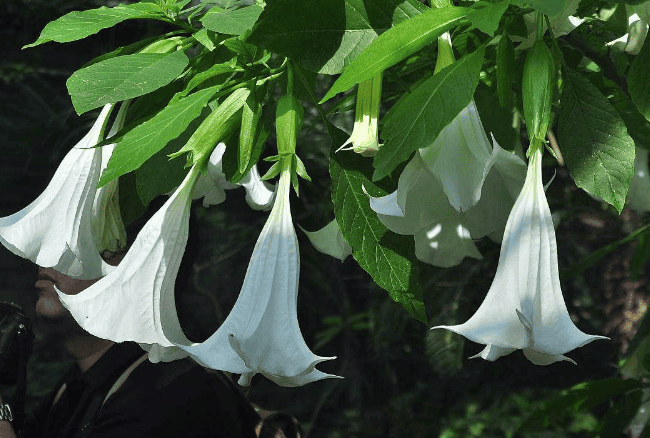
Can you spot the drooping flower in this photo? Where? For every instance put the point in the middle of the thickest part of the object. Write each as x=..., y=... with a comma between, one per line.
x=329, y=240
x=55, y=229
x=524, y=308
x=461, y=157
x=364, y=138
x=638, y=196
x=444, y=236
x=107, y=226
x=261, y=333
x=135, y=302
x=419, y=207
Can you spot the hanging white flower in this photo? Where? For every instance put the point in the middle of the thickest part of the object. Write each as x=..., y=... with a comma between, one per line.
x=261, y=333
x=135, y=302
x=524, y=308
x=55, y=229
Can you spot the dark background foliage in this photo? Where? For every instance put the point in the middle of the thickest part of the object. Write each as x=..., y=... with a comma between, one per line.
x=401, y=379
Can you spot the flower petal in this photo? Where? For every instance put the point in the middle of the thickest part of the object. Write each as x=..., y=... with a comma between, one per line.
x=330, y=241
x=461, y=156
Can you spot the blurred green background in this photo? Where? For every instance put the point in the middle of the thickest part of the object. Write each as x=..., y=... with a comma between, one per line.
x=401, y=379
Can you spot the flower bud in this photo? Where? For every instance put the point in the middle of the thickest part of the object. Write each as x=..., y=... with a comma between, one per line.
x=537, y=88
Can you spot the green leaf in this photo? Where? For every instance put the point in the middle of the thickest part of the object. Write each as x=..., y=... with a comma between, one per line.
x=123, y=77
x=231, y=21
x=486, y=18
x=136, y=146
x=388, y=257
x=595, y=144
x=418, y=118
x=396, y=44
x=639, y=81
x=342, y=28
x=77, y=25
x=251, y=128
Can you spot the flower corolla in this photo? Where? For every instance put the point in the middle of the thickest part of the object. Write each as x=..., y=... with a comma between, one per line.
x=458, y=189
x=524, y=308
x=135, y=302
x=364, y=138
x=55, y=230
x=261, y=333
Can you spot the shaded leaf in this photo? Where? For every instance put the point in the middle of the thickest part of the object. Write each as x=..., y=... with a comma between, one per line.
x=593, y=139
x=342, y=28
x=388, y=257
x=639, y=81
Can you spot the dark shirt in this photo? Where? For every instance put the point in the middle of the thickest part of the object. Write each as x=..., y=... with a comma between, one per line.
x=174, y=399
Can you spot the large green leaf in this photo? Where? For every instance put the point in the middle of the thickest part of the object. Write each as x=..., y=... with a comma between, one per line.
x=123, y=77
x=396, y=44
x=139, y=144
x=77, y=25
x=326, y=35
x=231, y=21
x=595, y=144
x=418, y=117
x=639, y=80
x=388, y=257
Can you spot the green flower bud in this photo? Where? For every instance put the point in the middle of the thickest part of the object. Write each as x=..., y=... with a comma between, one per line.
x=537, y=88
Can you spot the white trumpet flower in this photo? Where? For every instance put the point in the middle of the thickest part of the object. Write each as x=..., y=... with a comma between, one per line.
x=524, y=308
x=461, y=157
x=136, y=302
x=444, y=236
x=261, y=333
x=55, y=229
x=638, y=197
